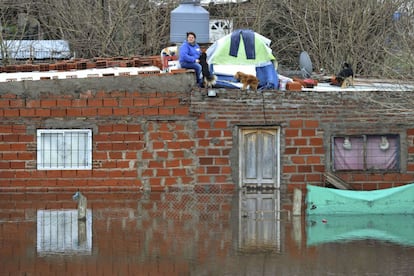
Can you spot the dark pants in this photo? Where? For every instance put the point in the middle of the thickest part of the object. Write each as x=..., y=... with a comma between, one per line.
x=248, y=40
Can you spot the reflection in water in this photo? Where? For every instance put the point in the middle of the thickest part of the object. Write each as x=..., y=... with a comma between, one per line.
x=395, y=228
x=259, y=220
x=61, y=232
x=179, y=233
x=82, y=236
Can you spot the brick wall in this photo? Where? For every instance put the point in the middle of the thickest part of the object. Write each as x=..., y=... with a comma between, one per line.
x=307, y=121
x=156, y=132
x=141, y=138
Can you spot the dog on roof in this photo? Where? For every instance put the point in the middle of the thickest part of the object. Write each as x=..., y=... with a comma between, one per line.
x=345, y=77
x=247, y=80
x=208, y=79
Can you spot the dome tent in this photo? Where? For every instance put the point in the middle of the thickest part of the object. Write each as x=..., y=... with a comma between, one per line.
x=246, y=51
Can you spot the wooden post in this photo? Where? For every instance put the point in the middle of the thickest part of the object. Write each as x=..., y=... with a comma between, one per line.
x=297, y=202
x=82, y=205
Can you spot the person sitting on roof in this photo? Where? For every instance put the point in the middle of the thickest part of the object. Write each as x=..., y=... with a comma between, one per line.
x=189, y=57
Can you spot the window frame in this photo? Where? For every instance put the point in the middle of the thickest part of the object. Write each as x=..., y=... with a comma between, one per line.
x=41, y=165
x=365, y=139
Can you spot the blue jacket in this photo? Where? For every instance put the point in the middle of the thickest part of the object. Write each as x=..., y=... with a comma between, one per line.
x=189, y=53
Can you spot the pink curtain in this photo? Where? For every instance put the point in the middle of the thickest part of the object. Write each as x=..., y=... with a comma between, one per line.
x=384, y=158
x=349, y=159
x=379, y=153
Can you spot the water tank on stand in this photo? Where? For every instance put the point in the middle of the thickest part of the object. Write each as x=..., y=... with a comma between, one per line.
x=189, y=16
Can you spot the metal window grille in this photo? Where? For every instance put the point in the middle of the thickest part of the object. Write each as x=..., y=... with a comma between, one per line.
x=64, y=149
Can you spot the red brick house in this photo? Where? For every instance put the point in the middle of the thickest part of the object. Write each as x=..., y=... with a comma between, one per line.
x=157, y=132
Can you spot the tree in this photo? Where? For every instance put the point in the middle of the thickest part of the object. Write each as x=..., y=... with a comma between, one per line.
x=108, y=27
x=363, y=33
x=18, y=20
x=375, y=36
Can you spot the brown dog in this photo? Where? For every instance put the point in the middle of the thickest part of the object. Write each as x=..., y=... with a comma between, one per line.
x=247, y=80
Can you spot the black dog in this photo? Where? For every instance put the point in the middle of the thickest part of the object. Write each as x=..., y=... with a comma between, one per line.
x=208, y=79
x=345, y=74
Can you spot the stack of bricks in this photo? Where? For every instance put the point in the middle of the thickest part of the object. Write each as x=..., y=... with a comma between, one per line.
x=81, y=64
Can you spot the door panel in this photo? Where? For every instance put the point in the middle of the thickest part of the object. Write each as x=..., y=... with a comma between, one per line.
x=250, y=167
x=268, y=160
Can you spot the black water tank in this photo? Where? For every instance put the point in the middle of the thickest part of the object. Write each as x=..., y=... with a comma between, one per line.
x=189, y=16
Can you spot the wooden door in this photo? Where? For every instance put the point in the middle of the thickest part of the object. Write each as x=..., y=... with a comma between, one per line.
x=259, y=157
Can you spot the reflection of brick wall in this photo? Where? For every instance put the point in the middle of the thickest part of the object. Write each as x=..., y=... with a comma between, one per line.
x=133, y=233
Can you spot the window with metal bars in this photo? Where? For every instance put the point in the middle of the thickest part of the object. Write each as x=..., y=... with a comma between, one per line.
x=366, y=152
x=64, y=149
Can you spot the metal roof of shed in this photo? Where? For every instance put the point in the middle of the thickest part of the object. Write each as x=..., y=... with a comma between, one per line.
x=35, y=49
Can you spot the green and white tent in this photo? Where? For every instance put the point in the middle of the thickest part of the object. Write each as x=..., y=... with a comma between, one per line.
x=220, y=51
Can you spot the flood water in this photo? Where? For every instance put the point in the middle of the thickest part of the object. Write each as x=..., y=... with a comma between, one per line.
x=186, y=233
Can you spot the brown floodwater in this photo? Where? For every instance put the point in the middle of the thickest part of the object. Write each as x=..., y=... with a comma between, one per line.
x=186, y=233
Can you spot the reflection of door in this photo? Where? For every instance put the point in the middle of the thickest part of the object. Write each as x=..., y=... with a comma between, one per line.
x=259, y=157
x=259, y=221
